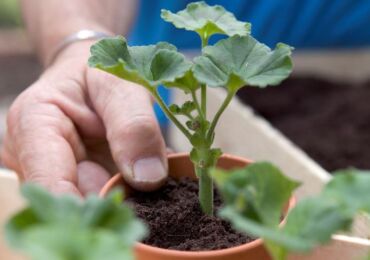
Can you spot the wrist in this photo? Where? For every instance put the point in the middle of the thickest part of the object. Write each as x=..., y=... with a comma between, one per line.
x=75, y=53
x=49, y=22
x=80, y=36
x=51, y=48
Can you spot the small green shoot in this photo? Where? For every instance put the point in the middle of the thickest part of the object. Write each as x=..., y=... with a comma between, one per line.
x=232, y=63
x=68, y=228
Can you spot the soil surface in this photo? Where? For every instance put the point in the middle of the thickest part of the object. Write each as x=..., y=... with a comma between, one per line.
x=176, y=221
x=330, y=121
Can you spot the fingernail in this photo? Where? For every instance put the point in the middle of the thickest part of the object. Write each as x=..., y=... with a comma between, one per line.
x=149, y=170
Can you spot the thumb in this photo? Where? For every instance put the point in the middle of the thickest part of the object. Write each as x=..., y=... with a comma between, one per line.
x=132, y=130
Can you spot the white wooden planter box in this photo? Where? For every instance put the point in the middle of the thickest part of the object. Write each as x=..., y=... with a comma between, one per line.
x=10, y=202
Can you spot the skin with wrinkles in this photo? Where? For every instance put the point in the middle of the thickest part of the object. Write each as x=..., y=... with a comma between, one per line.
x=75, y=126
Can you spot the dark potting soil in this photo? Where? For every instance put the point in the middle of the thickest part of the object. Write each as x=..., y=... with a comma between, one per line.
x=330, y=121
x=176, y=221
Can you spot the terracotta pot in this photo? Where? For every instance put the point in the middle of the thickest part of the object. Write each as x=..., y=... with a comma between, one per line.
x=181, y=166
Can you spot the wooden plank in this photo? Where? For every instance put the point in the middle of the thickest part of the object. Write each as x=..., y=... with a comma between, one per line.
x=340, y=248
x=11, y=202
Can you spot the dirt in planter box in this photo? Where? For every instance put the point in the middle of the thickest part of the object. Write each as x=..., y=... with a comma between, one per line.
x=176, y=221
x=330, y=121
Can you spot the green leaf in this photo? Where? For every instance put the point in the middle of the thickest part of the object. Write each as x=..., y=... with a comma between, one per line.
x=309, y=224
x=314, y=220
x=259, y=191
x=187, y=83
x=256, y=229
x=149, y=66
x=67, y=228
x=48, y=209
x=351, y=187
x=239, y=61
x=206, y=20
x=64, y=243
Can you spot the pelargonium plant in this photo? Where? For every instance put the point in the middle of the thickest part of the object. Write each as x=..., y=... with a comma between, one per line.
x=237, y=61
x=256, y=195
x=66, y=227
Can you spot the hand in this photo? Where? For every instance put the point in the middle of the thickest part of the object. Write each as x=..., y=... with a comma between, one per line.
x=76, y=125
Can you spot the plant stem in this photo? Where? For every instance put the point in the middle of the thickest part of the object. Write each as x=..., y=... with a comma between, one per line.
x=204, y=100
x=205, y=181
x=188, y=115
x=195, y=99
x=205, y=190
x=226, y=102
x=169, y=114
x=203, y=87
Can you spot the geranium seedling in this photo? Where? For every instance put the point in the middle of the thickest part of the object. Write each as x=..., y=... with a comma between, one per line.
x=232, y=63
x=68, y=228
x=255, y=197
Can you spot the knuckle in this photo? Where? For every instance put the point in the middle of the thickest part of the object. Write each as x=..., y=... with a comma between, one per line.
x=120, y=92
x=37, y=177
x=140, y=126
x=27, y=120
x=107, y=100
x=22, y=106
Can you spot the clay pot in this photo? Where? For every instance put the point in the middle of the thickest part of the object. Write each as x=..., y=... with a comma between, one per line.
x=181, y=166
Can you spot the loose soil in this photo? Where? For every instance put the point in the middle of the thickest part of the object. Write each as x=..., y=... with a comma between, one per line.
x=330, y=121
x=176, y=221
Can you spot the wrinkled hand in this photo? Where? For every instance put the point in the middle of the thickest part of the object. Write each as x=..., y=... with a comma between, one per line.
x=75, y=125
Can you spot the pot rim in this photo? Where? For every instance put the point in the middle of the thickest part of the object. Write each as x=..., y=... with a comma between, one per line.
x=209, y=253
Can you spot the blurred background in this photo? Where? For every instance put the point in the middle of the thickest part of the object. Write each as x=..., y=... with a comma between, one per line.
x=324, y=108
x=18, y=65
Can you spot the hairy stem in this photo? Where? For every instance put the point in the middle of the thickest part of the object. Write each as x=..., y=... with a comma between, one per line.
x=205, y=191
x=196, y=102
x=205, y=181
x=203, y=88
x=169, y=114
x=226, y=102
